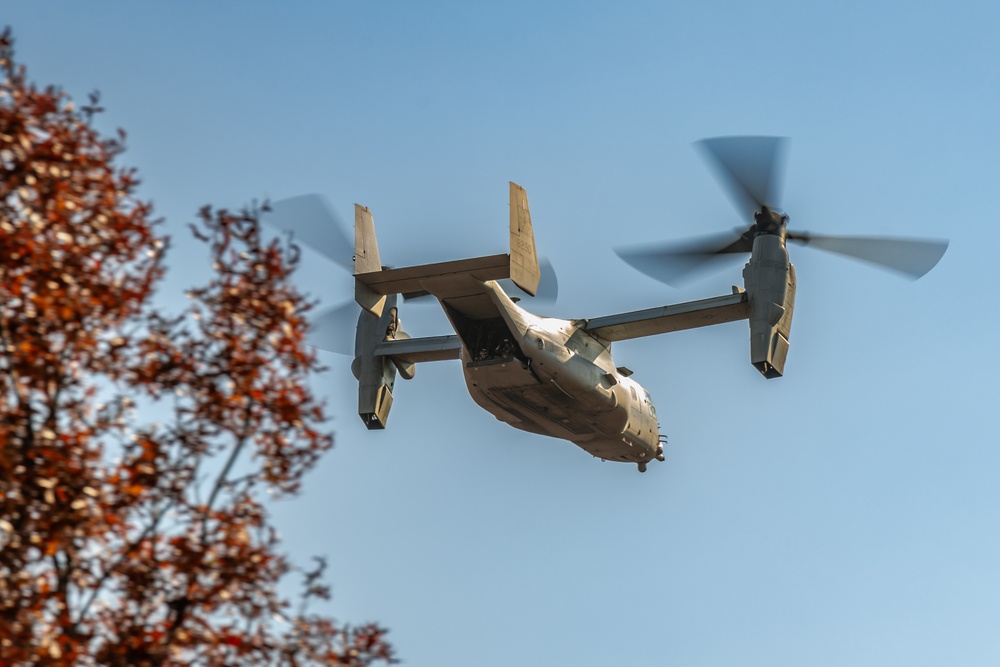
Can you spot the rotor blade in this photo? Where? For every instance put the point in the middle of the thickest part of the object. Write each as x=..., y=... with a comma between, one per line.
x=750, y=168
x=312, y=222
x=333, y=330
x=680, y=263
x=911, y=257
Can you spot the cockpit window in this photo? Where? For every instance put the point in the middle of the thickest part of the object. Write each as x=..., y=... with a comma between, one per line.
x=652, y=410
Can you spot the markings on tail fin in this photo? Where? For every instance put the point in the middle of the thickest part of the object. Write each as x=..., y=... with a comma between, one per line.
x=523, y=259
x=366, y=260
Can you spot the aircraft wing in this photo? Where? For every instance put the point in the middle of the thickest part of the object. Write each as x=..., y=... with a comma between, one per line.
x=665, y=319
x=416, y=350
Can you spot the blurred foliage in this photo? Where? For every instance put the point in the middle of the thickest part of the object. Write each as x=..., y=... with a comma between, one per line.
x=124, y=542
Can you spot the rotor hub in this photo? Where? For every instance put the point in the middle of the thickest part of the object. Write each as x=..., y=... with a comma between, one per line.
x=769, y=221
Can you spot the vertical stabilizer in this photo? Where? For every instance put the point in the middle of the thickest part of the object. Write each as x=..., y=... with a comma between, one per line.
x=523, y=260
x=366, y=260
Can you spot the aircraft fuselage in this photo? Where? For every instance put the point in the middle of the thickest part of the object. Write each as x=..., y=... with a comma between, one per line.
x=549, y=376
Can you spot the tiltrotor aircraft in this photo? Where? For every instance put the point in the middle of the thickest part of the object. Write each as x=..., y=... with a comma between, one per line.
x=556, y=377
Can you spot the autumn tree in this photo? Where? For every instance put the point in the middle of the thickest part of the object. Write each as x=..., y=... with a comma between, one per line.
x=124, y=541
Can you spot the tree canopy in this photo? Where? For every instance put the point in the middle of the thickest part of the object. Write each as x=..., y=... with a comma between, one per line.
x=124, y=541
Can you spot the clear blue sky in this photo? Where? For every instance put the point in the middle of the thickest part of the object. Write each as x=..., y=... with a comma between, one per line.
x=845, y=514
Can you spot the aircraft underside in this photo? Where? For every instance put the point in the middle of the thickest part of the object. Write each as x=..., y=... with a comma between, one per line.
x=506, y=387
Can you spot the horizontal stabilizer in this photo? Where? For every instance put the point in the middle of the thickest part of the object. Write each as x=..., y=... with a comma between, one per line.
x=411, y=278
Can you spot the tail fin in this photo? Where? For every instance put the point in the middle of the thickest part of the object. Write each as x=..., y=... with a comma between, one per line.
x=366, y=260
x=372, y=281
x=523, y=260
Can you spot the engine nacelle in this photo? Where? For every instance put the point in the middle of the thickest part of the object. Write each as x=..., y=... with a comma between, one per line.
x=376, y=374
x=769, y=279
